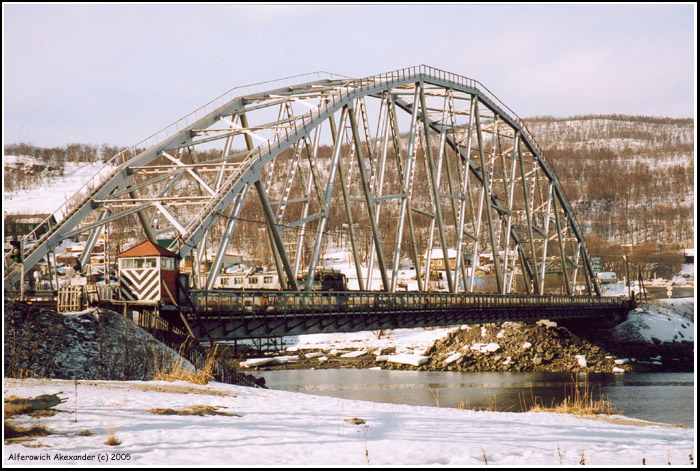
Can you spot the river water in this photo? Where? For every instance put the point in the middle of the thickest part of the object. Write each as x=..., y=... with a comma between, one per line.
x=657, y=397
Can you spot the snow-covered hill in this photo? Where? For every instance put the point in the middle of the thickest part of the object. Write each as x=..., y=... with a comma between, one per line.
x=46, y=196
x=628, y=178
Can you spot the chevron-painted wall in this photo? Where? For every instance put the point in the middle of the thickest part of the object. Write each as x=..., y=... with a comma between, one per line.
x=140, y=284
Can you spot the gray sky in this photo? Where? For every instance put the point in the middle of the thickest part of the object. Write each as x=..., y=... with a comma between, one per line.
x=117, y=73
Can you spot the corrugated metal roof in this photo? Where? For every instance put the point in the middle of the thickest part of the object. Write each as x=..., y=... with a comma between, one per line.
x=146, y=249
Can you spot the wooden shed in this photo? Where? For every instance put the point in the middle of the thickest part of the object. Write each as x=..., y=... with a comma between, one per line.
x=147, y=272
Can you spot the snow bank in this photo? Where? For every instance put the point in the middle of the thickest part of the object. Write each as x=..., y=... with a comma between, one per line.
x=404, y=340
x=406, y=359
x=664, y=320
x=269, y=361
x=280, y=428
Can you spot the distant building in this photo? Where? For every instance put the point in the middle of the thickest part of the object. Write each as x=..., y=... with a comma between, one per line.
x=689, y=255
x=607, y=277
x=19, y=225
x=437, y=261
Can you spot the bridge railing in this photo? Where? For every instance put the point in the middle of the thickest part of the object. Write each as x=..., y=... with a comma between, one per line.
x=304, y=302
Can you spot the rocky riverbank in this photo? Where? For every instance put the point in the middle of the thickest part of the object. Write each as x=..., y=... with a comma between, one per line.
x=508, y=347
x=654, y=338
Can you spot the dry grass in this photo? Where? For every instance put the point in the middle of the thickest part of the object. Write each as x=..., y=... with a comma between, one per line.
x=17, y=408
x=355, y=421
x=200, y=410
x=39, y=406
x=13, y=431
x=84, y=433
x=179, y=370
x=112, y=439
x=491, y=407
x=577, y=401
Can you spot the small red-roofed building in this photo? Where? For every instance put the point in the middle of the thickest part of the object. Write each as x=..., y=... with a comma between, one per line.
x=147, y=272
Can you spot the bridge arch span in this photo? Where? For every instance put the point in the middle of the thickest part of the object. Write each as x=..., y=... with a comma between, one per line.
x=417, y=167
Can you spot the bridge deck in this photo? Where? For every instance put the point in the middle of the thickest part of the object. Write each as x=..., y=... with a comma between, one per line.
x=228, y=315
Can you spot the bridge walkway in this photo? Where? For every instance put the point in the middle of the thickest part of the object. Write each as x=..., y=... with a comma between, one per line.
x=229, y=314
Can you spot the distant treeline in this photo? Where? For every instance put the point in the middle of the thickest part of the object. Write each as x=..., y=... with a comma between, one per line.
x=614, y=117
x=57, y=156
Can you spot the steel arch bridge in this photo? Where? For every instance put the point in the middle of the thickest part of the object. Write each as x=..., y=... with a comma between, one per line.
x=395, y=164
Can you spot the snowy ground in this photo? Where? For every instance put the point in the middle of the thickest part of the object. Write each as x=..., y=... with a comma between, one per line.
x=34, y=200
x=285, y=428
x=415, y=341
x=667, y=320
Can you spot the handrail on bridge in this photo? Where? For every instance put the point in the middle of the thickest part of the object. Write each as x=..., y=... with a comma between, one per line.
x=277, y=301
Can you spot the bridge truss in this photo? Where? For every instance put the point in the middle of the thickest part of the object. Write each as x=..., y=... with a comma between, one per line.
x=389, y=166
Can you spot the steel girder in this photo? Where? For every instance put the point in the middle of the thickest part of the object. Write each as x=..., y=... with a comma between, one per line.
x=414, y=152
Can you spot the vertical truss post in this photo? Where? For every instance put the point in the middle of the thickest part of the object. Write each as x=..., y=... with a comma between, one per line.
x=509, y=216
x=587, y=273
x=406, y=182
x=446, y=109
x=338, y=136
x=305, y=208
x=91, y=242
x=511, y=273
x=274, y=231
x=226, y=150
x=147, y=228
x=368, y=201
x=435, y=188
x=459, y=265
x=226, y=237
x=327, y=199
x=546, y=237
x=487, y=175
x=477, y=256
x=561, y=247
x=407, y=178
x=377, y=185
x=289, y=180
x=576, y=258
x=527, y=270
x=526, y=197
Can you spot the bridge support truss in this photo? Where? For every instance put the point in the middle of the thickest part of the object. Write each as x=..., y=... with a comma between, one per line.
x=388, y=167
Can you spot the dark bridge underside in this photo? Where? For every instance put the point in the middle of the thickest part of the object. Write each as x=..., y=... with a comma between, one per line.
x=229, y=315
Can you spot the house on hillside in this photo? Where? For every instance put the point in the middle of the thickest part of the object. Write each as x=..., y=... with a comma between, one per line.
x=437, y=261
x=19, y=225
x=689, y=255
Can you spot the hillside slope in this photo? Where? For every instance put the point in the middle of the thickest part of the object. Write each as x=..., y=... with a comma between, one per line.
x=628, y=178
